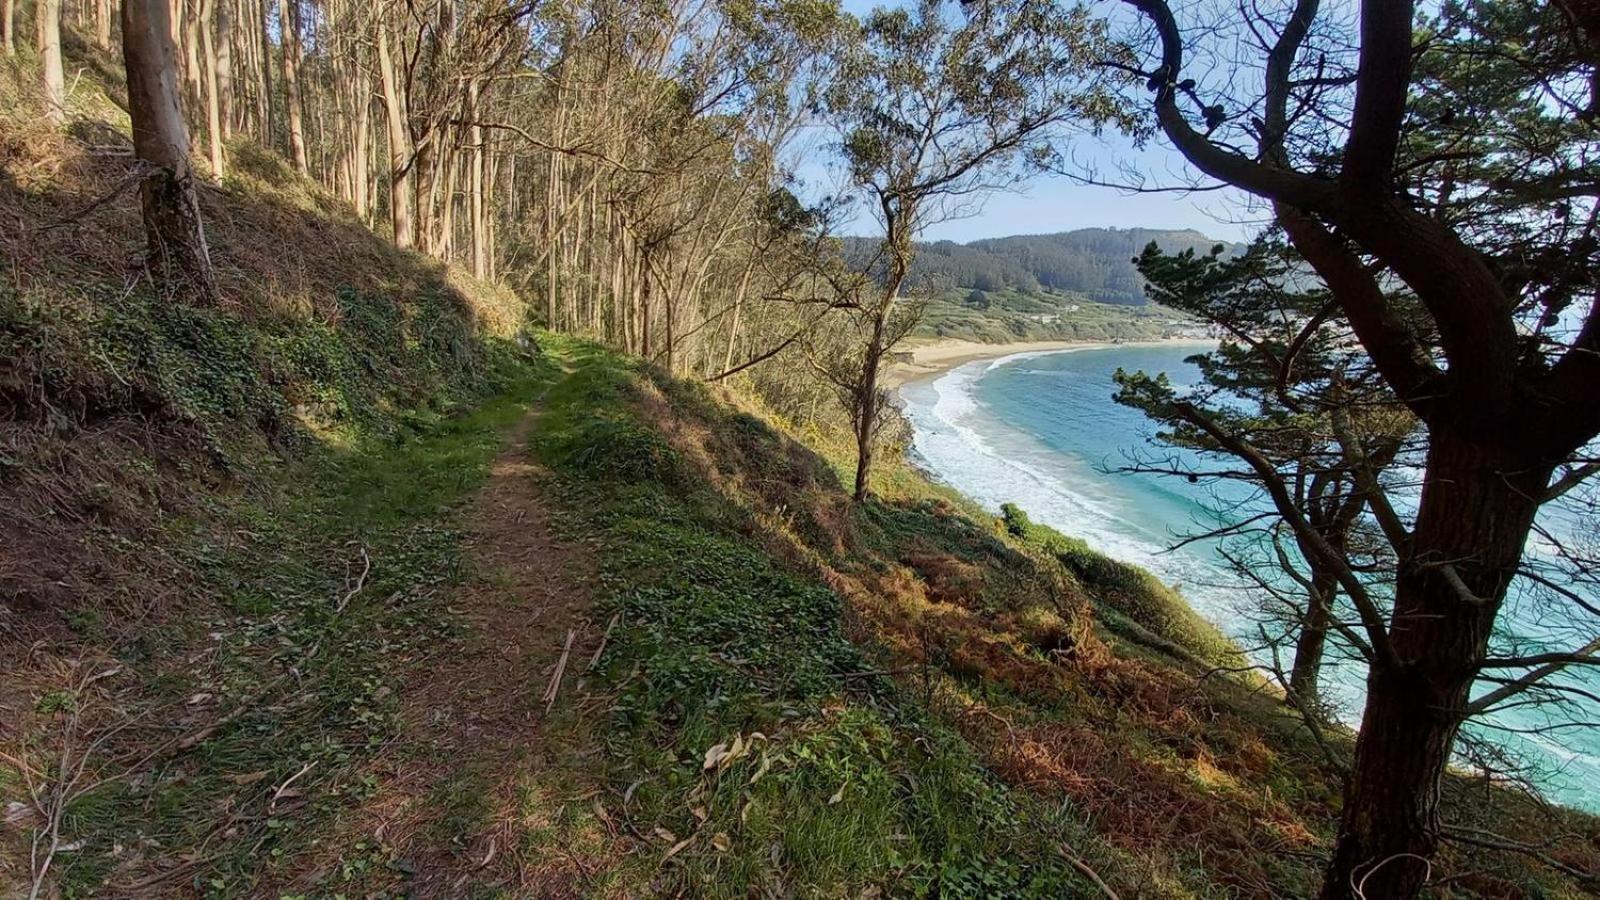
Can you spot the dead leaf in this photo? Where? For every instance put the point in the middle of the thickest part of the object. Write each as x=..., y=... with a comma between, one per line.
x=714, y=755
x=722, y=842
x=839, y=795
x=677, y=847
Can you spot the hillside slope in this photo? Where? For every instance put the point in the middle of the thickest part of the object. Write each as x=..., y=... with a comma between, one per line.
x=1094, y=264
x=359, y=584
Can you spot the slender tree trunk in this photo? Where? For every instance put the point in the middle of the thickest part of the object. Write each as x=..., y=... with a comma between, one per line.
x=54, y=77
x=475, y=187
x=867, y=415
x=399, y=145
x=206, y=17
x=193, y=74
x=447, y=204
x=291, y=84
x=264, y=73
x=738, y=309
x=645, y=280
x=102, y=24
x=361, y=123
x=173, y=226
x=1477, y=508
x=8, y=26
x=1312, y=640
x=226, y=88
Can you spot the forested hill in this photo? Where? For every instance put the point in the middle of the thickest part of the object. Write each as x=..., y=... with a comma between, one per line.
x=1094, y=262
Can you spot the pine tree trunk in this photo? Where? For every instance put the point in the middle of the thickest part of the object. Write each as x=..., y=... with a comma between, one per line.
x=291, y=85
x=1312, y=640
x=54, y=77
x=1477, y=508
x=173, y=226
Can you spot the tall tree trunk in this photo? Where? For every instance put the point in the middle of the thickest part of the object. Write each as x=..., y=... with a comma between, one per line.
x=102, y=24
x=223, y=24
x=1477, y=508
x=361, y=136
x=264, y=73
x=866, y=416
x=173, y=226
x=207, y=16
x=54, y=77
x=475, y=187
x=738, y=309
x=291, y=84
x=193, y=74
x=399, y=145
x=8, y=26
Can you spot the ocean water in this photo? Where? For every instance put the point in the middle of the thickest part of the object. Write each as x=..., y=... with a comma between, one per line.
x=1040, y=430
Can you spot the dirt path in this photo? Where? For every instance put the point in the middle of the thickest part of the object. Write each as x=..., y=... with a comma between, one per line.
x=457, y=797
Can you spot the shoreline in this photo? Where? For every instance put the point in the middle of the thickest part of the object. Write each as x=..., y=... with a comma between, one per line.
x=938, y=357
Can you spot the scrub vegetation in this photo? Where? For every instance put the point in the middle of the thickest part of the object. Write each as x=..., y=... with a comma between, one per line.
x=450, y=477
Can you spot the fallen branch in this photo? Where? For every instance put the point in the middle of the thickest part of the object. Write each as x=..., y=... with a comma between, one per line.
x=554, y=689
x=139, y=172
x=604, y=638
x=361, y=581
x=1089, y=873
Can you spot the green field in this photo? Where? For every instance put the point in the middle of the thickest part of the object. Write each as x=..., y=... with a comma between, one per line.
x=998, y=317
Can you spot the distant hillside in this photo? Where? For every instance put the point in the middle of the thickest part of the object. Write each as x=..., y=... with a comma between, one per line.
x=1096, y=263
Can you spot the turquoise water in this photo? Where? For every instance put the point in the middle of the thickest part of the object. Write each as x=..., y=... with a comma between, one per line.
x=1041, y=430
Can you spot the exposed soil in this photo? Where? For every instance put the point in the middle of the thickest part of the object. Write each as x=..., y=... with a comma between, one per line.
x=452, y=802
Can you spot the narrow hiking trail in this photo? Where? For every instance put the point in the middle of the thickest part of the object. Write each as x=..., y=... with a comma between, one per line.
x=479, y=737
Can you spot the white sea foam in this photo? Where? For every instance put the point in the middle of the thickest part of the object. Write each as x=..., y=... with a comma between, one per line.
x=994, y=463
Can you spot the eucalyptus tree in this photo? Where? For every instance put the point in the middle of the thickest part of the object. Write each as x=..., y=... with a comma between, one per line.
x=53, y=78
x=173, y=226
x=1455, y=162
x=934, y=109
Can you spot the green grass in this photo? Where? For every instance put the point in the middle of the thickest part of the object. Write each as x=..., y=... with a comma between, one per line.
x=316, y=685
x=1009, y=315
x=838, y=779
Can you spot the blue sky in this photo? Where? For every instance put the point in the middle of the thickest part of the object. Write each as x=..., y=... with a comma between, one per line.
x=1050, y=204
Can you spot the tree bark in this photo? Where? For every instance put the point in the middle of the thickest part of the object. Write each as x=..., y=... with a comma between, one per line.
x=102, y=24
x=54, y=77
x=173, y=227
x=475, y=187
x=193, y=74
x=224, y=30
x=1312, y=640
x=291, y=84
x=264, y=73
x=207, y=21
x=866, y=416
x=399, y=145
x=8, y=26
x=1477, y=508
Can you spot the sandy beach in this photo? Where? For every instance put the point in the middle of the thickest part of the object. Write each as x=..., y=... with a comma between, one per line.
x=933, y=359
